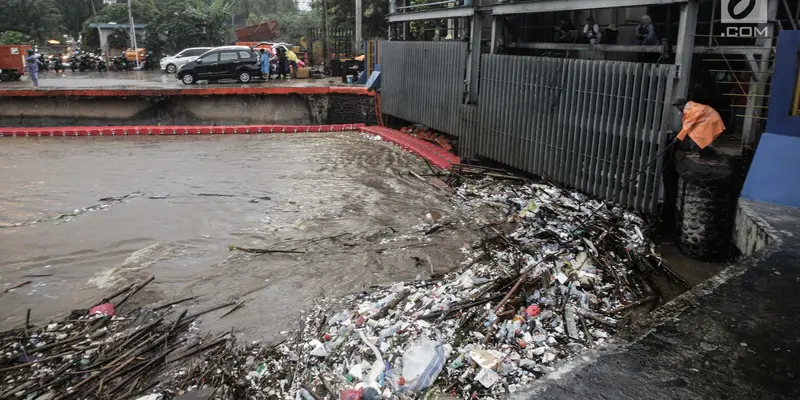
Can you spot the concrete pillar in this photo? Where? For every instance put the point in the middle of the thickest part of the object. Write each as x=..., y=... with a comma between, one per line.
x=451, y=25
x=493, y=43
x=498, y=28
x=474, y=61
x=684, y=51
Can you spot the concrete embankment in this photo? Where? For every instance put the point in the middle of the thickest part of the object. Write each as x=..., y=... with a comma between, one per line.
x=208, y=106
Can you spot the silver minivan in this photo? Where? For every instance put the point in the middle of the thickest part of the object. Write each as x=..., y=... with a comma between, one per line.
x=171, y=64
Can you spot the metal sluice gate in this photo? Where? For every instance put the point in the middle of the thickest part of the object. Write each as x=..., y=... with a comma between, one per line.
x=588, y=124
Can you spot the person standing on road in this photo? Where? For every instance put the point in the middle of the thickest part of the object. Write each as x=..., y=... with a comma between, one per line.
x=282, y=62
x=264, y=60
x=292, y=61
x=32, y=67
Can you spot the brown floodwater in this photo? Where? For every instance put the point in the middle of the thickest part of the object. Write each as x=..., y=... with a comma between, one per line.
x=171, y=206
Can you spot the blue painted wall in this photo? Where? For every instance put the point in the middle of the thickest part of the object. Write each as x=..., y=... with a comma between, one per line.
x=784, y=79
x=774, y=175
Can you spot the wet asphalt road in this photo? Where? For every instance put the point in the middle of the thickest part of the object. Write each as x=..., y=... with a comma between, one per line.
x=145, y=80
x=734, y=337
x=343, y=199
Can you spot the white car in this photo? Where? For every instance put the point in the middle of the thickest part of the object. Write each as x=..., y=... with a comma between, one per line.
x=170, y=64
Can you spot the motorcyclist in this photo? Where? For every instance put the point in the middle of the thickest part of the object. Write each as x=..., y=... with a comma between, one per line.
x=148, y=60
x=58, y=66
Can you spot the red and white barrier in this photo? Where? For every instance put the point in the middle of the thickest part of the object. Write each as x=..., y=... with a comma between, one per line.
x=429, y=151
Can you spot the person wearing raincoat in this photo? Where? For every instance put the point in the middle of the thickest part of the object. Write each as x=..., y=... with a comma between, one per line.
x=292, y=58
x=700, y=122
x=264, y=63
x=32, y=67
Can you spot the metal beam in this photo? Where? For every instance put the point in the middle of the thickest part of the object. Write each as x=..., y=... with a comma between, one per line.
x=570, y=5
x=738, y=50
x=588, y=47
x=443, y=13
x=474, y=61
x=625, y=48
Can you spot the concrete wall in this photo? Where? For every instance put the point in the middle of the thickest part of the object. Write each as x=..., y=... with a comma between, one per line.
x=290, y=109
x=751, y=232
x=784, y=82
x=773, y=176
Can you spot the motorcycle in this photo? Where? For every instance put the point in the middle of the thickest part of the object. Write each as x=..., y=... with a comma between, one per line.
x=80, y=62
x=149, y=62
x=100, y=63
x=73, y=62
x=120, y=63
x=56, y=64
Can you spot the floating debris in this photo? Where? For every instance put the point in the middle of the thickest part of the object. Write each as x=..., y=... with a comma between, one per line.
x=545, y=283
x=60, y=218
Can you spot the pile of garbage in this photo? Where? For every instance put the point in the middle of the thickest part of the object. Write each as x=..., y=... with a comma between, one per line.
x=429, y=135
x=102, y=352
x=521, y=304
x=556, y=273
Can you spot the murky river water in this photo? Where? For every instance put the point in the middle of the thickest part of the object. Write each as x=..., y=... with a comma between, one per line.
x=192, y=197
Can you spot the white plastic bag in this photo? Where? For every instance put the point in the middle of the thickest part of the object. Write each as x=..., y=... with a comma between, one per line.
x=423, y=361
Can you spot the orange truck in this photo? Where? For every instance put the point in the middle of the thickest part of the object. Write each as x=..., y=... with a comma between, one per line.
x=12, y=61
x=130, y=54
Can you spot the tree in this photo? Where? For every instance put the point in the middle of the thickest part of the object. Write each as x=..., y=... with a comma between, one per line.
x=247, y=11
x=153, y=42
x=75, y=12
x=213, y=17
x=342, y=13
x=177, y=26
x=39, y=19
x=119, y=39
x=90, y=38
x=14, y=37
x=143, y=11
x=292, y=25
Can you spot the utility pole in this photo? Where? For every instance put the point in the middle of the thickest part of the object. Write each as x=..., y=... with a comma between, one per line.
x=326, y=52
x=94, y=12
x=133, y=33
x=233, y=21
x=359, y=14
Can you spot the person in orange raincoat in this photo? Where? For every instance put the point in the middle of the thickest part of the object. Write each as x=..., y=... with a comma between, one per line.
x=700, y=122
